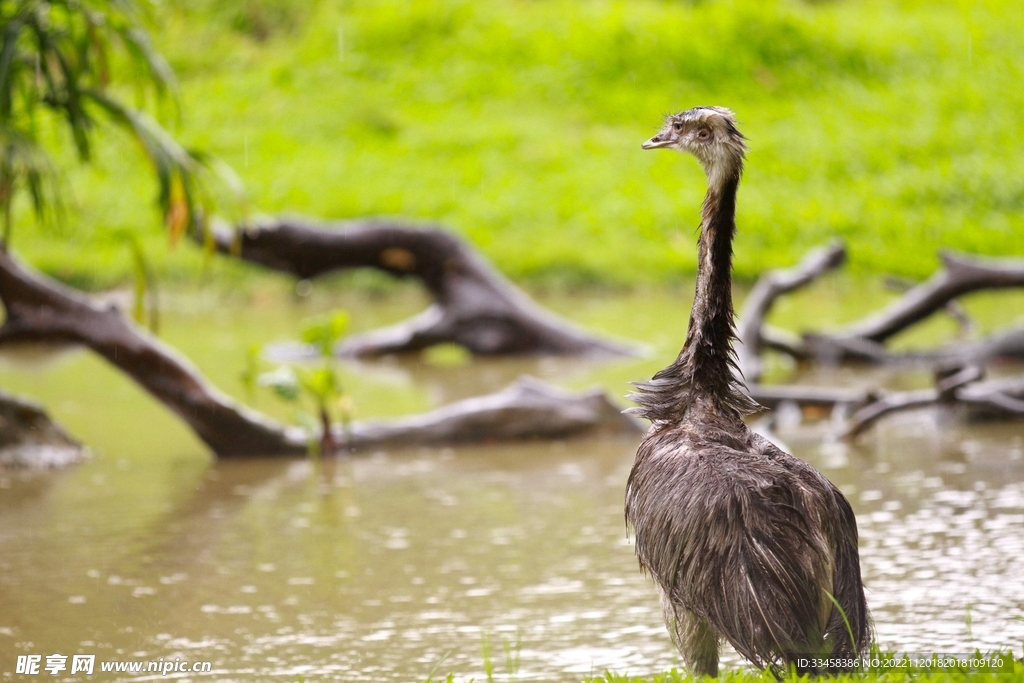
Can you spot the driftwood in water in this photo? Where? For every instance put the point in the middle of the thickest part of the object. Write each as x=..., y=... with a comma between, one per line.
x=527, y=409
x=865, y=339
x=773, y=395
x=1001, y=398
x=966, y=388
x=753, y=333
x=960, y=275
x=958, y=367
x=30, y=439
x=474, y=305
x=42, y=311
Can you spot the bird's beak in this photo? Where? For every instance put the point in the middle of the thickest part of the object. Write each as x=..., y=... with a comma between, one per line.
x=656, y=143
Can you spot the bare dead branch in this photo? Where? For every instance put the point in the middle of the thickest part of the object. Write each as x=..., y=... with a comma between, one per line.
x=832, y=350
x=771, y=395
x=864, y=341
x=996, y=397
x=945, y=391
x=1007, y=344
x=528, y=409
x=953, y=307
x=962, y=274
x=42, y=311
x=751, y=330
x=475, y=305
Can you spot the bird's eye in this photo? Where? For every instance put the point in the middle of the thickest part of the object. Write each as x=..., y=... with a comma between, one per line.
x=677, y=127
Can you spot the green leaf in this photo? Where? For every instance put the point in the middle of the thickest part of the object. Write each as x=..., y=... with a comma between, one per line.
x=320, y=383
x=324, y=331
x=282, y=381
x=251, y=372
x=61, y=56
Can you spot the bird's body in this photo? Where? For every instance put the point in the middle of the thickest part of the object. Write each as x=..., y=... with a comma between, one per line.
x=745, y=542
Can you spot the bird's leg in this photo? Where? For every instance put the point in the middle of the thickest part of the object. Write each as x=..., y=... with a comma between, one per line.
x=693, y=636
x=698, y=644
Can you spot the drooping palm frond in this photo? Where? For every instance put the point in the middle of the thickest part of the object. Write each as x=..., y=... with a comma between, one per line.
x=176, y=168
x=24, y=165
x=55, y=57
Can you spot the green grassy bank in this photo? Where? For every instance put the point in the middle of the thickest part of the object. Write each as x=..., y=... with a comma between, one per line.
x=895, y=125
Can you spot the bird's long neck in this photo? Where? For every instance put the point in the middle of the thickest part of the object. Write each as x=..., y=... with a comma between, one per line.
x=702, y=374
x=707, y=355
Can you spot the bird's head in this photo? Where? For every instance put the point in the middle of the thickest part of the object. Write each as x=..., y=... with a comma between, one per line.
x=708, y=133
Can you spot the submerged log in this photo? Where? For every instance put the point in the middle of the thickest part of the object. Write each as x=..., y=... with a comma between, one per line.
x=773, y=395
x=994, y=398
x=1001, y=398
x=474, y=305
x=30, y=439
x=40, y=310
x=1002, y=345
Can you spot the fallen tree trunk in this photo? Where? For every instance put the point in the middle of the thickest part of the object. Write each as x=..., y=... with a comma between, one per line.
x=994, y=398
x=1007, y=344
x=42, y=311
x=474, y=305
x=864, y=341
x=30, y=439
x=755, y=335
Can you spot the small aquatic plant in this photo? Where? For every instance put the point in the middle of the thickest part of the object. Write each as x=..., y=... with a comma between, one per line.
x=314, y=384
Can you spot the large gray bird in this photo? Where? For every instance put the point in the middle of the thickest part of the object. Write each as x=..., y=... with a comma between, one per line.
x=745, y=542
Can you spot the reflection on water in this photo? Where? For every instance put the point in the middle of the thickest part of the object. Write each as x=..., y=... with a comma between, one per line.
x=380, y=568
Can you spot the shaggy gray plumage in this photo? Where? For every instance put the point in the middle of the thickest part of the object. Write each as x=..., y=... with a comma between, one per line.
x=744, y=541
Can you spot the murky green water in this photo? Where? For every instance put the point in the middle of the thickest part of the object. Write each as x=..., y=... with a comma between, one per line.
x=382, y=568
